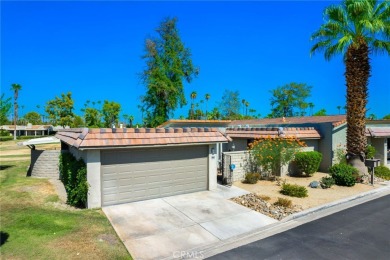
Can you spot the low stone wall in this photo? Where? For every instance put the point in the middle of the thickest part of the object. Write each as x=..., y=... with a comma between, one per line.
x=44, y=163
x=239, y=159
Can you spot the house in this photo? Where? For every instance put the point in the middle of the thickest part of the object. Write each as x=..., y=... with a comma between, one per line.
x=125, y=165
x=28, y=130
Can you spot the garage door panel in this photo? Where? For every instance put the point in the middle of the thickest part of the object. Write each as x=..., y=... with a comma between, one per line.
x=139, y=174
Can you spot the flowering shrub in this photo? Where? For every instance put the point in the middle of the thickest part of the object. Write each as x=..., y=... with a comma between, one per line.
x=272, y=153
x=339, y=154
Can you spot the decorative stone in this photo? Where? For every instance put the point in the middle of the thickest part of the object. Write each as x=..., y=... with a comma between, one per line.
x=314, y=184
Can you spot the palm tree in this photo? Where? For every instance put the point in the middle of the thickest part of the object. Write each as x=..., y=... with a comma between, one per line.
x=246, y=107
x=339, y=108
x=207, y=97
x=355, y=29
x=193, y=96
x=311, y=106
x=131, y=119
x=243, y=106
x=15, y=88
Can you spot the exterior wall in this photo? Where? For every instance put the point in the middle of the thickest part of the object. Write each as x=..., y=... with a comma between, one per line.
x=94, y=178
x=44, y=163
x=213, y=166
x=240, y=144
x=380, y=145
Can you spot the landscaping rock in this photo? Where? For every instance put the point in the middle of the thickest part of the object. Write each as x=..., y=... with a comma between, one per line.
x=314, y=184
x=254, y=202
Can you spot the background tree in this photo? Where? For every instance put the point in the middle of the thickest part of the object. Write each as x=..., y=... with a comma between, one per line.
x=386, y=116
x=246, y=108
x=355, y=29
x=339, y=109
x=207, y=97
x=193, y=97
x=371, y=117
x=168, y=63
x=93, y=117
x=128, y=120
x=311, y=106
x=215, y=114
x=287, y=98
x=110, y=113
x=33, y=118
x=77, y=122
x=5, y=108
x=60, y=110
x=230, y=104
x=15, y=88
x=321, y=112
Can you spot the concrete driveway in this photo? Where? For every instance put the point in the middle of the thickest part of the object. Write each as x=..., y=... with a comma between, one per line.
x=172, y=227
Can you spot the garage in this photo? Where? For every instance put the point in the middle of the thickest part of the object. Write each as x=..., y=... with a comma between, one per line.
x=141, y=174
x=135, y=164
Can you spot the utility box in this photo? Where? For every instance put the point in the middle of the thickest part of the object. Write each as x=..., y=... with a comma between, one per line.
x=372, y=163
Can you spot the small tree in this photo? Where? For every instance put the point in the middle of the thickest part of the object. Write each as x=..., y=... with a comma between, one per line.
x=272, y=153
x=60, y=110
x=92, y=117
x=110, y=113
x=5, y=108
x=230, y=104
x=33, y=118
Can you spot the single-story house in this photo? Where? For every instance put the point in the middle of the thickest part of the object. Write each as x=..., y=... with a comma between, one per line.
x=28, y=130
x=325, y=134
x=125, y=165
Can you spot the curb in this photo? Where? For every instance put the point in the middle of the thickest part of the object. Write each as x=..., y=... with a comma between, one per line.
x=293, y=221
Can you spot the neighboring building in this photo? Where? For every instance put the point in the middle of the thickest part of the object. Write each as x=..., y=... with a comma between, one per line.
x=28, y=130
x=125, y=165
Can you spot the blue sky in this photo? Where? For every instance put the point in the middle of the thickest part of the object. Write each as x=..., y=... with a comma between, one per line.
x=94, y=49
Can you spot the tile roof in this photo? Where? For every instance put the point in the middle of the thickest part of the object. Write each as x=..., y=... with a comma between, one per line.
x=263, y=132
x=335, y=120
x=129, y=137
x=190, y=122
x=378, y=132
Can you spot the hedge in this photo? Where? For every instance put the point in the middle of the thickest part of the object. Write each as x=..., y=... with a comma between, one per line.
x=73, y=174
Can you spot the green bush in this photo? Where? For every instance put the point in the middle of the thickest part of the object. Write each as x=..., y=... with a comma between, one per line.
x=327, y=182
x=308, y=162
x=251, y=178
x=6, y=138
x=370, y=151
x=4, y=132
x=294, y=190
x=382, y=172
x=73, y=174
x=344, y=174
x=283, y=202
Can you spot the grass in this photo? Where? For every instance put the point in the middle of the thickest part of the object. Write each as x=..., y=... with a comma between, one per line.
x=36, y=225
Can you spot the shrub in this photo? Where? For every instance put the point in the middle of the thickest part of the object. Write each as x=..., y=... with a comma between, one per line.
x=339, y=154
x=73, y=173
x=343, y=174
x=272, y=153
x=6, y=138
x=370, y=151
x=382, y=172
x=327, y=182
x=308, y=162
x=283, y=202
x=251, y=178
x=294, y=190
x=264, y=197
x=4, y=132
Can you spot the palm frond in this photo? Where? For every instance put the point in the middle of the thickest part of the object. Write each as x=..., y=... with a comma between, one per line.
x=379, y=46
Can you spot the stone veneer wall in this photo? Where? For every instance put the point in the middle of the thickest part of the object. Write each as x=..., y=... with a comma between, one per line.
x=44, y=163
x=239, y=159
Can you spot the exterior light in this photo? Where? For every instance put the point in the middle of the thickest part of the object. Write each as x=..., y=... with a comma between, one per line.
x=212, y=150
x=233, y=147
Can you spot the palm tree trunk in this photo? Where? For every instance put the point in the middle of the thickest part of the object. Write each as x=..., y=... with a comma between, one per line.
x=357, y=74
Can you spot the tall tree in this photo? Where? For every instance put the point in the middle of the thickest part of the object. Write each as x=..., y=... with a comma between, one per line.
x=60, y=110
x=289, y=97
x=93, y=117
x=355, y=29
x=33, y=118
x=339, y=109
x=110, y=113
x=311, y=106
x=321, y=112
x=15, y=88
x=246, y=108
x=168, y=64
x=207, y=97
x=5, y=108
x=193, y=97
x=230, y=105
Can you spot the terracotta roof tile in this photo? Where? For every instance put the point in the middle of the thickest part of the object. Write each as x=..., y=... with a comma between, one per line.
x=298, y=132
x=106, y=137
x=378, y=132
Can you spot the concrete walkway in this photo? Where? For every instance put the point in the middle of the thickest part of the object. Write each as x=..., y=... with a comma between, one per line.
x=176, y=226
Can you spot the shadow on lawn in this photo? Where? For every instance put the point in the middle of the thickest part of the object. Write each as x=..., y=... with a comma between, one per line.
x=4, y=167
x=3, y=237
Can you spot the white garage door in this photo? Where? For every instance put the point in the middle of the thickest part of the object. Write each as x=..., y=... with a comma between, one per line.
x=140, y=174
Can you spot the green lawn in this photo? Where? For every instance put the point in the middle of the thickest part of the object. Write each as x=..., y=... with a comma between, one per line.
x=36, y=225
